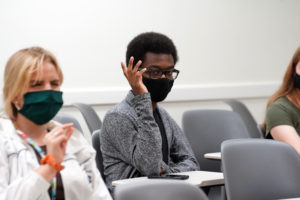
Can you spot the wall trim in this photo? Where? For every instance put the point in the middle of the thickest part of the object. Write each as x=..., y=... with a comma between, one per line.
x=180, y=93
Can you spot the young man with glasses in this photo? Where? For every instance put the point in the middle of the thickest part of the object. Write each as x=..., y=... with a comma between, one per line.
x=138, y=137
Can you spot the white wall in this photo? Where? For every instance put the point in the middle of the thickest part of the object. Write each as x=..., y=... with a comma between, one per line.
x=227, y=48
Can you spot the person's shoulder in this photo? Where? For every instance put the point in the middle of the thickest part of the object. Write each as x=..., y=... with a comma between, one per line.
x=281, y=104
x=10, y=142
x=5, y=120
x=282, y=101
x=127, y=106
x=118, y=116
x=121, y=109
x=6, y=126
x=281, y=112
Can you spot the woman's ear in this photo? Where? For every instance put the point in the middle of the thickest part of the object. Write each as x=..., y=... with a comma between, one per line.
x=16, y=103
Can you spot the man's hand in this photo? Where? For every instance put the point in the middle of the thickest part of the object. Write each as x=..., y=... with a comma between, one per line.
x=134, y=77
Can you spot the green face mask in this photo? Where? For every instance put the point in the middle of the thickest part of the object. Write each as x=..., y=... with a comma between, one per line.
x=40, y=107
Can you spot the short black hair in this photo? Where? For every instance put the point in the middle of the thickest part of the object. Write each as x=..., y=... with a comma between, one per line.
x=150, y=42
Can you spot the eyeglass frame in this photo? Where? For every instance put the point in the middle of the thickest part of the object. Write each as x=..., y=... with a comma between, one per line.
x=161, y=71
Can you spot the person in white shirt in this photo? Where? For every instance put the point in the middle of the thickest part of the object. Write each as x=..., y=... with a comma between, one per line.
x=40, y=158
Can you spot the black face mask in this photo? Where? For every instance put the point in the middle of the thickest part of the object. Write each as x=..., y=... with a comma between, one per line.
x=297, y=81
x=158, y=88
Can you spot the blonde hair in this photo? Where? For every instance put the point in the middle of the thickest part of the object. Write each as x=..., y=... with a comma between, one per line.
x=287, y=87
x=18, y=71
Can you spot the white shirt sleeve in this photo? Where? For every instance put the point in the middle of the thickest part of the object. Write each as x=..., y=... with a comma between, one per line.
x=29, y=187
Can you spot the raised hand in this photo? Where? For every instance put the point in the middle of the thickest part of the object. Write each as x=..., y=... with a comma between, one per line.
x=134, y=77
x=57, y=139
x=56, y=142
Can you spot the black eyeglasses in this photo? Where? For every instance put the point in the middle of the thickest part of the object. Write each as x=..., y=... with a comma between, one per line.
x=171, y=74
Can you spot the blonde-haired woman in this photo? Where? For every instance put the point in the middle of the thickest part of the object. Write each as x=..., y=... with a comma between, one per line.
x=39, y=158
x=283, y=108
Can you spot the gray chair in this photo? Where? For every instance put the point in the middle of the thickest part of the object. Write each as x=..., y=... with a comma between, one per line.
x=65, y=118
x=159, y=190
x=207, y=129
x=260, y=169
x=99, y=159
x=252, y=126
x=90, y=116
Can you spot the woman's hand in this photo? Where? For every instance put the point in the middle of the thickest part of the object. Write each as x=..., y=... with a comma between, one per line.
x=56, y=142
x=57, y=139
x=134, y=77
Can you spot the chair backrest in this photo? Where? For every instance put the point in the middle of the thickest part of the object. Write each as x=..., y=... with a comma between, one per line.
x=96, y=145
x=159, y=190
x=207, y=129
x=65, y=118
x=247, y=117
x=260, y=169
x=90, y=116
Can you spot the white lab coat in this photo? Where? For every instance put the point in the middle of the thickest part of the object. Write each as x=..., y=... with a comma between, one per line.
x=18, y=161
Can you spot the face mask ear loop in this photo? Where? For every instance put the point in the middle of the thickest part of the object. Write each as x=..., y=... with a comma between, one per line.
x=17, y=105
